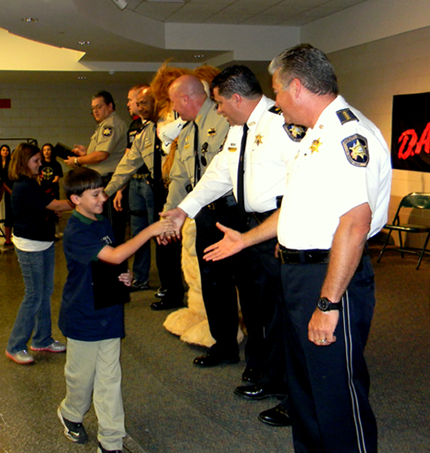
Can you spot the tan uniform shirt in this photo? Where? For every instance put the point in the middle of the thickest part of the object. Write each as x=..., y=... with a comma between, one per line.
x=212, y=129
x=142, y=151
x=110, y=137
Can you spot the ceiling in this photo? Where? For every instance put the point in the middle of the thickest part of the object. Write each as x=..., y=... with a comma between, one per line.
x=117, y=41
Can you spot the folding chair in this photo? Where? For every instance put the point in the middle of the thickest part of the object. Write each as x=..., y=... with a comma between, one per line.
x=414, y=200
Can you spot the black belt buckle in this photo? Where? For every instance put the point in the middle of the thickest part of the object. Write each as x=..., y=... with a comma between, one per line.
x=260, y=217
x=224, y=202
x=288, y=256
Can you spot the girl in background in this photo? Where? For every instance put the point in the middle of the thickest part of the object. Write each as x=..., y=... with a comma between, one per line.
x=34, y=231
x=50, y=171
x=50, y=174
x=6, y=190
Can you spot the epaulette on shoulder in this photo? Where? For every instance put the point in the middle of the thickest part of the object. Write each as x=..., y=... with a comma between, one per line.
x=346, y=115
x=276, y=110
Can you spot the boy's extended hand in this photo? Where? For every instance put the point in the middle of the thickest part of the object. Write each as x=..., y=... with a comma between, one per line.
x=126, y=277
x=161, y=227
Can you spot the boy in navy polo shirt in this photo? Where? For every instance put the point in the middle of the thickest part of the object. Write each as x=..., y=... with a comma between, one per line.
x=94, y=324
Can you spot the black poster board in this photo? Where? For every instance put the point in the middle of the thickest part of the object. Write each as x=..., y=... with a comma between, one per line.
x=410, y=141
x=63, y=151
x=107, y=289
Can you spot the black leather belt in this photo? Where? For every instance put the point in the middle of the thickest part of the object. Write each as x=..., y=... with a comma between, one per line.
x=290, y=256
x=260, y=217
x=139, y=176
x=224, y=202
x=316, y=256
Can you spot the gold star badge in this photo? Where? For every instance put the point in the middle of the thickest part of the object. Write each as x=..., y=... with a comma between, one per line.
x=358, y=150
x=315, y=146
x=258, y=139
x=211, y=132
x=297, y=131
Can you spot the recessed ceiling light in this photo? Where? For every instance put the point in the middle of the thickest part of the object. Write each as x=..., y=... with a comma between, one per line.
x=84, y=43
x=29, y=19
x=122, y=4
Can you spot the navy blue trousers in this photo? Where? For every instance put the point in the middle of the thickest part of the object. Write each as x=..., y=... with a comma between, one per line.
x=329, y=385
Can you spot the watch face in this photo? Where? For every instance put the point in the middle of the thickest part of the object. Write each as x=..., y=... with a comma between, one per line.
x=324, y=304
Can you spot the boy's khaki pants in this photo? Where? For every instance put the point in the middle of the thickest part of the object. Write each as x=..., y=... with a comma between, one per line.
x=93, y=369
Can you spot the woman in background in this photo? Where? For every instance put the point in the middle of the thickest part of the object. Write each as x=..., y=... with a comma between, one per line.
x=50, y=171
x=33, y=238
x=50, y=174
x=6, y=190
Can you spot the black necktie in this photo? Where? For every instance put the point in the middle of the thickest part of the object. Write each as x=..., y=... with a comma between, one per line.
x=240, y=172
x=197, y=170
x=157, y=159
x=158, y=186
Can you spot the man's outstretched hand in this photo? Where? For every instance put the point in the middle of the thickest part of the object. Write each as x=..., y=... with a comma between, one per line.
x=229, y=245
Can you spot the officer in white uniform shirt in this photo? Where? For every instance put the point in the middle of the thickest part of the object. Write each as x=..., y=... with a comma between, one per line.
x=337, y=196
x=267, y=151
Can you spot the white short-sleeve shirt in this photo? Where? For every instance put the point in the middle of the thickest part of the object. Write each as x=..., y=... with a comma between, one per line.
x=268, y=150
x=343, y=162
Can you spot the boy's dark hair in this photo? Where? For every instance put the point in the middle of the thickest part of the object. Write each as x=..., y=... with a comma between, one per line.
x=107, y=97
x=78, y=180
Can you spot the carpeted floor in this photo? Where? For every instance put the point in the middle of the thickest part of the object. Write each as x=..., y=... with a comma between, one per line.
x=173, y=407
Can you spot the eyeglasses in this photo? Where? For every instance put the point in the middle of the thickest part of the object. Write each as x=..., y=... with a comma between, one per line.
x=97, y=107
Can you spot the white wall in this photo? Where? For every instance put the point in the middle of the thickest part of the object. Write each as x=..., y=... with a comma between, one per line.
x=371, y=74
x=54, y=113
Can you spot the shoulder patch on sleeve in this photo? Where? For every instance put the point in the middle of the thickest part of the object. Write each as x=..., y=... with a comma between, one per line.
x=276, y=110
x=356, y=150
x=296, y=133
x=107, y=131
x=345, y=115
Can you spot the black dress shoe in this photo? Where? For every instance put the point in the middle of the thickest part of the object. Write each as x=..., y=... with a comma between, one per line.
x=209, y=360
x=277, y=416
x=258, y=392
x=166, y=304
x=252, y=375
x=161, y=292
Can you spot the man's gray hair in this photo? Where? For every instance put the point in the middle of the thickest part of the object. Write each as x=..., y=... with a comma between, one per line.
x=308, y=64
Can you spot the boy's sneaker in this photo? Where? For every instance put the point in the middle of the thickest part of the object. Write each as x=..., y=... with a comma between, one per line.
x=73, y=431
x=139, y=286
x=103, y=450
x=56, y=346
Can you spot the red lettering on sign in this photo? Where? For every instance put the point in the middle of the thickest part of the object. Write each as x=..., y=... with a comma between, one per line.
x=409, y=138
x=410, y=145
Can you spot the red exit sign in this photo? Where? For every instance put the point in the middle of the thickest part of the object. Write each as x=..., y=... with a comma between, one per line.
x=5, y=104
